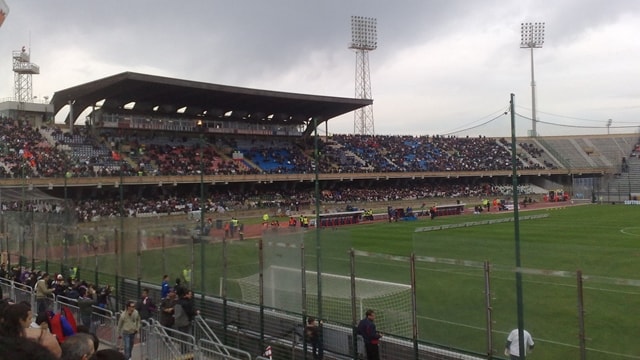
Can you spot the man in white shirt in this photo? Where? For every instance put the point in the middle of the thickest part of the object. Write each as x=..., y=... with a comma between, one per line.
x=512, y=347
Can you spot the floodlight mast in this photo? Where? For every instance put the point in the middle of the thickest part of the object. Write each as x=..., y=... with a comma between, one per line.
x=23, y=69
x=363, y=39
x=532, y=36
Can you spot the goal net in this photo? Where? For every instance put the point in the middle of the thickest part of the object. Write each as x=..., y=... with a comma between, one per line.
x=283, y=289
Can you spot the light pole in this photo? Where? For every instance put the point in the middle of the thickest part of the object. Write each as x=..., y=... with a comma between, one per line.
x=119, y=248
x=516, y=223
x=532, y=36
x=316, y=157
x=67, y=221
x=609, y=125
x=364, y=38
x=201, y=129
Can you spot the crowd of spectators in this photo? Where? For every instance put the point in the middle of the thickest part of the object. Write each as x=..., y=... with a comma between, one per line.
x=52, y=152
x=25, y=335
x=27, y=152
x=427, y=153
x=93, y=209
x=24, y=152
x=237, y=199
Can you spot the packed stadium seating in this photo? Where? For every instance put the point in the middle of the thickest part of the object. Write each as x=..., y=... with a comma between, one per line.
x=54, y=151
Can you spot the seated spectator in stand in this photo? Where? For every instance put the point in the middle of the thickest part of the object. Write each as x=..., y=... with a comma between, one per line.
x=40, y=333
x=16, y=323
x=108, y=354
x=85, y=330
x=78, y=347
x=14, y=348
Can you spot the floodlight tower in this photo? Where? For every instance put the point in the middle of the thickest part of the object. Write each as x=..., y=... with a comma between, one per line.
x=532, y=36
x=363, y=40
x=23, y=69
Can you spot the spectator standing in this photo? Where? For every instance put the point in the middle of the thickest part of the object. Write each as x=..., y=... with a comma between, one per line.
x=166, y=309
x=128, y=327
x=312, y=337
x=85, y=306
x=185, y=312
x=186, y=275
x=43, y=292
x=164, y=287
x=370, y=335
x=145, y=306
x=180, y=289
x=103, y=297
x=512, y=347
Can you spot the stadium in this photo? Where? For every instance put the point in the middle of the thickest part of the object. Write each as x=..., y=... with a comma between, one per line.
x=244, y=196
x=140, y=182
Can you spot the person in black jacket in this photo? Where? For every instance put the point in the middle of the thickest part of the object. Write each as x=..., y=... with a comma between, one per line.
x=312, y=336
x=145, y=306
x=185, y=312
x=370, y=335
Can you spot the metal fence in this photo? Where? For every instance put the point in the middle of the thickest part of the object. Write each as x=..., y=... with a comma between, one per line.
x=135, y=254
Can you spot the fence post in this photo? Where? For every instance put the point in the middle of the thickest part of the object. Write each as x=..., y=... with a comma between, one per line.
x=581, y=330
x=261, y=289
x=303, y=285
x=139, y=261
x=489, y=308
x=223, y=285
x=354, y=315
x=414, y=306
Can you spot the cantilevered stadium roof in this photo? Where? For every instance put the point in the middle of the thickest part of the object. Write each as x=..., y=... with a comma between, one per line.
x=164, y=96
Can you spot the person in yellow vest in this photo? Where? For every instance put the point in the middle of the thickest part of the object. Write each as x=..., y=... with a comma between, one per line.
x=234, y=226
x=186, y=274
x=87, y=242
x=306, y=222
x=73, y=273
x=265, y=220
x=485, y=204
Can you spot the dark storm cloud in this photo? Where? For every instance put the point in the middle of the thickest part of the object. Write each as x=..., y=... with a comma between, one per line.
x=439, y=63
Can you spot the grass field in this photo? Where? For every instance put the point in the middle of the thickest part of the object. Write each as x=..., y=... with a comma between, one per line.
x=600, y=240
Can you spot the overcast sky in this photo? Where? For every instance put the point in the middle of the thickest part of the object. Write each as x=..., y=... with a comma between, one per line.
x=441, y=66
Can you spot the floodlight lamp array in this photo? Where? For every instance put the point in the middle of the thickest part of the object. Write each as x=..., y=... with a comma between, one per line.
x=363, y=33
x=532, y=35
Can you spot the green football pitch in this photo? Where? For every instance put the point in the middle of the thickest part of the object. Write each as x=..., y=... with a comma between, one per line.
x=458, y=300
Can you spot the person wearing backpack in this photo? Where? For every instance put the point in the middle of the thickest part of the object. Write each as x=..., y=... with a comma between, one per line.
x=184, y=312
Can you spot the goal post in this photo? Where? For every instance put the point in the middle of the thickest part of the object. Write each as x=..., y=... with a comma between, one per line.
x=283, y=290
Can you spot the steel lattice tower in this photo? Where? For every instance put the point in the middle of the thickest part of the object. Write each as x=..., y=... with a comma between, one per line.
x=23, y=69
x=363, y=40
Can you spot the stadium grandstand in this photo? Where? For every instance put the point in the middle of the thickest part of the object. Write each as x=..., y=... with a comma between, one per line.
x=149, y=130
x=136, y=146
